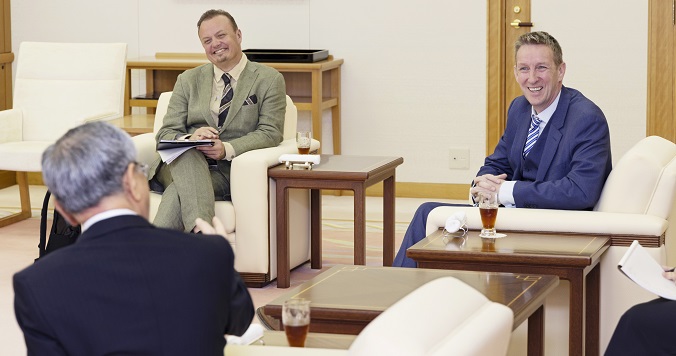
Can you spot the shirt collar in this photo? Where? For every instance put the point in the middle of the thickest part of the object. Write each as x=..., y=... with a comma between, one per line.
x=235, y=72
x=106, y=215
x=547, y=113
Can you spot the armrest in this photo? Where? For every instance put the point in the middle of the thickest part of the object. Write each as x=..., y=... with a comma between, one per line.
x=145, y=147
x=548, y=220
x=11, y=122
x=103, y=117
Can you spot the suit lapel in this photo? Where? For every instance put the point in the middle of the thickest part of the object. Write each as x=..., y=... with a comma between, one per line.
x=554, y=137
x=244, y=85
x=205, y=86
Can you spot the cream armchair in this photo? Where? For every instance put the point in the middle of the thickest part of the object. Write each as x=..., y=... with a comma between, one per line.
x=249, y=218
x=57, y=86
x=637, y=202
x=442, y=317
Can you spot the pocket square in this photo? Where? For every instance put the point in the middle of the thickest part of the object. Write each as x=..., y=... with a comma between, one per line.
x=251, y=100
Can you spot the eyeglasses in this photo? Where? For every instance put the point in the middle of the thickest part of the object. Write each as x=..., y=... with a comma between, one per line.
x=142, y=168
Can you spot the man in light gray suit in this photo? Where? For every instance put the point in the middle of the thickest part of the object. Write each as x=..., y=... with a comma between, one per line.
x=238, y=104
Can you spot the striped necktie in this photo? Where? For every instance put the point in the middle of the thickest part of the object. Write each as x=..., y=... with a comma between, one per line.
x=225, y=100
x=533, y=134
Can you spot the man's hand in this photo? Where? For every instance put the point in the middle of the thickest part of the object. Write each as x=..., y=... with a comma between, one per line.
x=669, y=273
x=204, y=133
x=205, y=228
x=487, y=183
x=217, y=151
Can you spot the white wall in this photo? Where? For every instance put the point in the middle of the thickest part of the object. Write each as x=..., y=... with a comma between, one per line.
x=414, y=78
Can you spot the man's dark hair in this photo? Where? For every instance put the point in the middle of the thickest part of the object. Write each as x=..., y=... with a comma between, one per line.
x=540, y=38
x=210, y=14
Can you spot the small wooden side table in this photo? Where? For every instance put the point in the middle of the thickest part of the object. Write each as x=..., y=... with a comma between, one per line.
x=574, y=258
x=335, y=172
x=135, y=124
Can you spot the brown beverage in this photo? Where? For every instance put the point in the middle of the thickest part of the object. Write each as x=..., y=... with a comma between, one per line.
x=304, y=150
x=296, y=334
x=488, y=216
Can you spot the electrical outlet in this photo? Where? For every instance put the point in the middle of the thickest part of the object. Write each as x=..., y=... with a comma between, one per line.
x=458, y=158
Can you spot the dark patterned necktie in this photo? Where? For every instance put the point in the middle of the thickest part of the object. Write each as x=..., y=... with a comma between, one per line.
x=225, y=100
x=533, y=134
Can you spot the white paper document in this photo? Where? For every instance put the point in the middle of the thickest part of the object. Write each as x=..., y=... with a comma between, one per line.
x=169, y=150
x=641, y=268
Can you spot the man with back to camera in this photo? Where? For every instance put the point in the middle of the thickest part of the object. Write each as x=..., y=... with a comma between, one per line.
x=238, y=104
x=125, y=287
x=555, y=151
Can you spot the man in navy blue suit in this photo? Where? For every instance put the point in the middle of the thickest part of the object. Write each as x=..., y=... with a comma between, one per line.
x=125, y=287
x=555, y=151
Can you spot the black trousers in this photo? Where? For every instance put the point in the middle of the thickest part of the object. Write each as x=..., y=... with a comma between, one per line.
x=646, y=329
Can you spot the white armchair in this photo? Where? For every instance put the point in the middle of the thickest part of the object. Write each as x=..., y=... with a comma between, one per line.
x=442, y=317
x=57, y=86
x=249, y=218
x=637, y=203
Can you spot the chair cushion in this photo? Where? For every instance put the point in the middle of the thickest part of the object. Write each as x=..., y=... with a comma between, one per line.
x=24, y=156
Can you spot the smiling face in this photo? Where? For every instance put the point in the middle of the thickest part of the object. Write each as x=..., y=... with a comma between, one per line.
x=221, y=42
x=538, y=76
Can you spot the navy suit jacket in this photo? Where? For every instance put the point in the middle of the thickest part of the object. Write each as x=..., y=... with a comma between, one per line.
x=575, y=162
x=127, y=287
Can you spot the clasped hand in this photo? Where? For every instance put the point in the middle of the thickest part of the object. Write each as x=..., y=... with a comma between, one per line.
x=487, y=183
x=217, y=151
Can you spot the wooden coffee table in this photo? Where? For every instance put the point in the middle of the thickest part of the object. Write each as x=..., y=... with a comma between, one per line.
x=346, y=298
x=574, y=258
x=335, y=172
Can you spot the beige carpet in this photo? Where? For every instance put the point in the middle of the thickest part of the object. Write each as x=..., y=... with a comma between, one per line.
x=18, y=249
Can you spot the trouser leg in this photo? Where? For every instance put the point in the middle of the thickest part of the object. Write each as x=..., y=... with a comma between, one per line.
x=193, y=195
x=416, y=231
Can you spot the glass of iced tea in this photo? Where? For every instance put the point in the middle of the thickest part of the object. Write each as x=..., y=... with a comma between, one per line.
x=488, y=208
x=303, y=141
x=296, y=320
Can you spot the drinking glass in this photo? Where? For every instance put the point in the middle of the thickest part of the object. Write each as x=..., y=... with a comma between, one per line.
x=303, y=141
x=488, y=208
x=296, y=320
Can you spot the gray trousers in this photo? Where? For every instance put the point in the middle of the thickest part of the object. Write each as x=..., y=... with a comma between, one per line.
x=190, y=190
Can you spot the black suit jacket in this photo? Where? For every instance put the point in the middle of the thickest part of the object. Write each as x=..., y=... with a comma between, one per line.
x=127, y=287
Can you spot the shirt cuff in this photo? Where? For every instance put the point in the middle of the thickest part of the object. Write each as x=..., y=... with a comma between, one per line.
x=229, y=152
x=506, y=193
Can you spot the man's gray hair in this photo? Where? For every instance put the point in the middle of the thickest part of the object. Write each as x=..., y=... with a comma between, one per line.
x=87, y=164
x=540, y=38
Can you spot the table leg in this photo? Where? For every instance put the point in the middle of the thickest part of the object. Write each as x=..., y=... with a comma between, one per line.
x=127, y=92
x=576, y=316
x=359, y=225
x=316, y=228
x=592, y=308
x=536, y=332
x=283, y=259
x=316, y=105
x=388, y=220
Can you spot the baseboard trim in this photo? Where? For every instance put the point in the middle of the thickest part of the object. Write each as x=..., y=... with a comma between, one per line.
x=403, y=189
x=415, y=190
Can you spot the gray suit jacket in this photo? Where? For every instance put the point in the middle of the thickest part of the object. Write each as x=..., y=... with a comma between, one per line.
x=248, y=125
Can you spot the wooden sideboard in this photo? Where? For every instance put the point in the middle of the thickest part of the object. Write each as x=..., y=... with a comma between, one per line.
x=314, y=87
